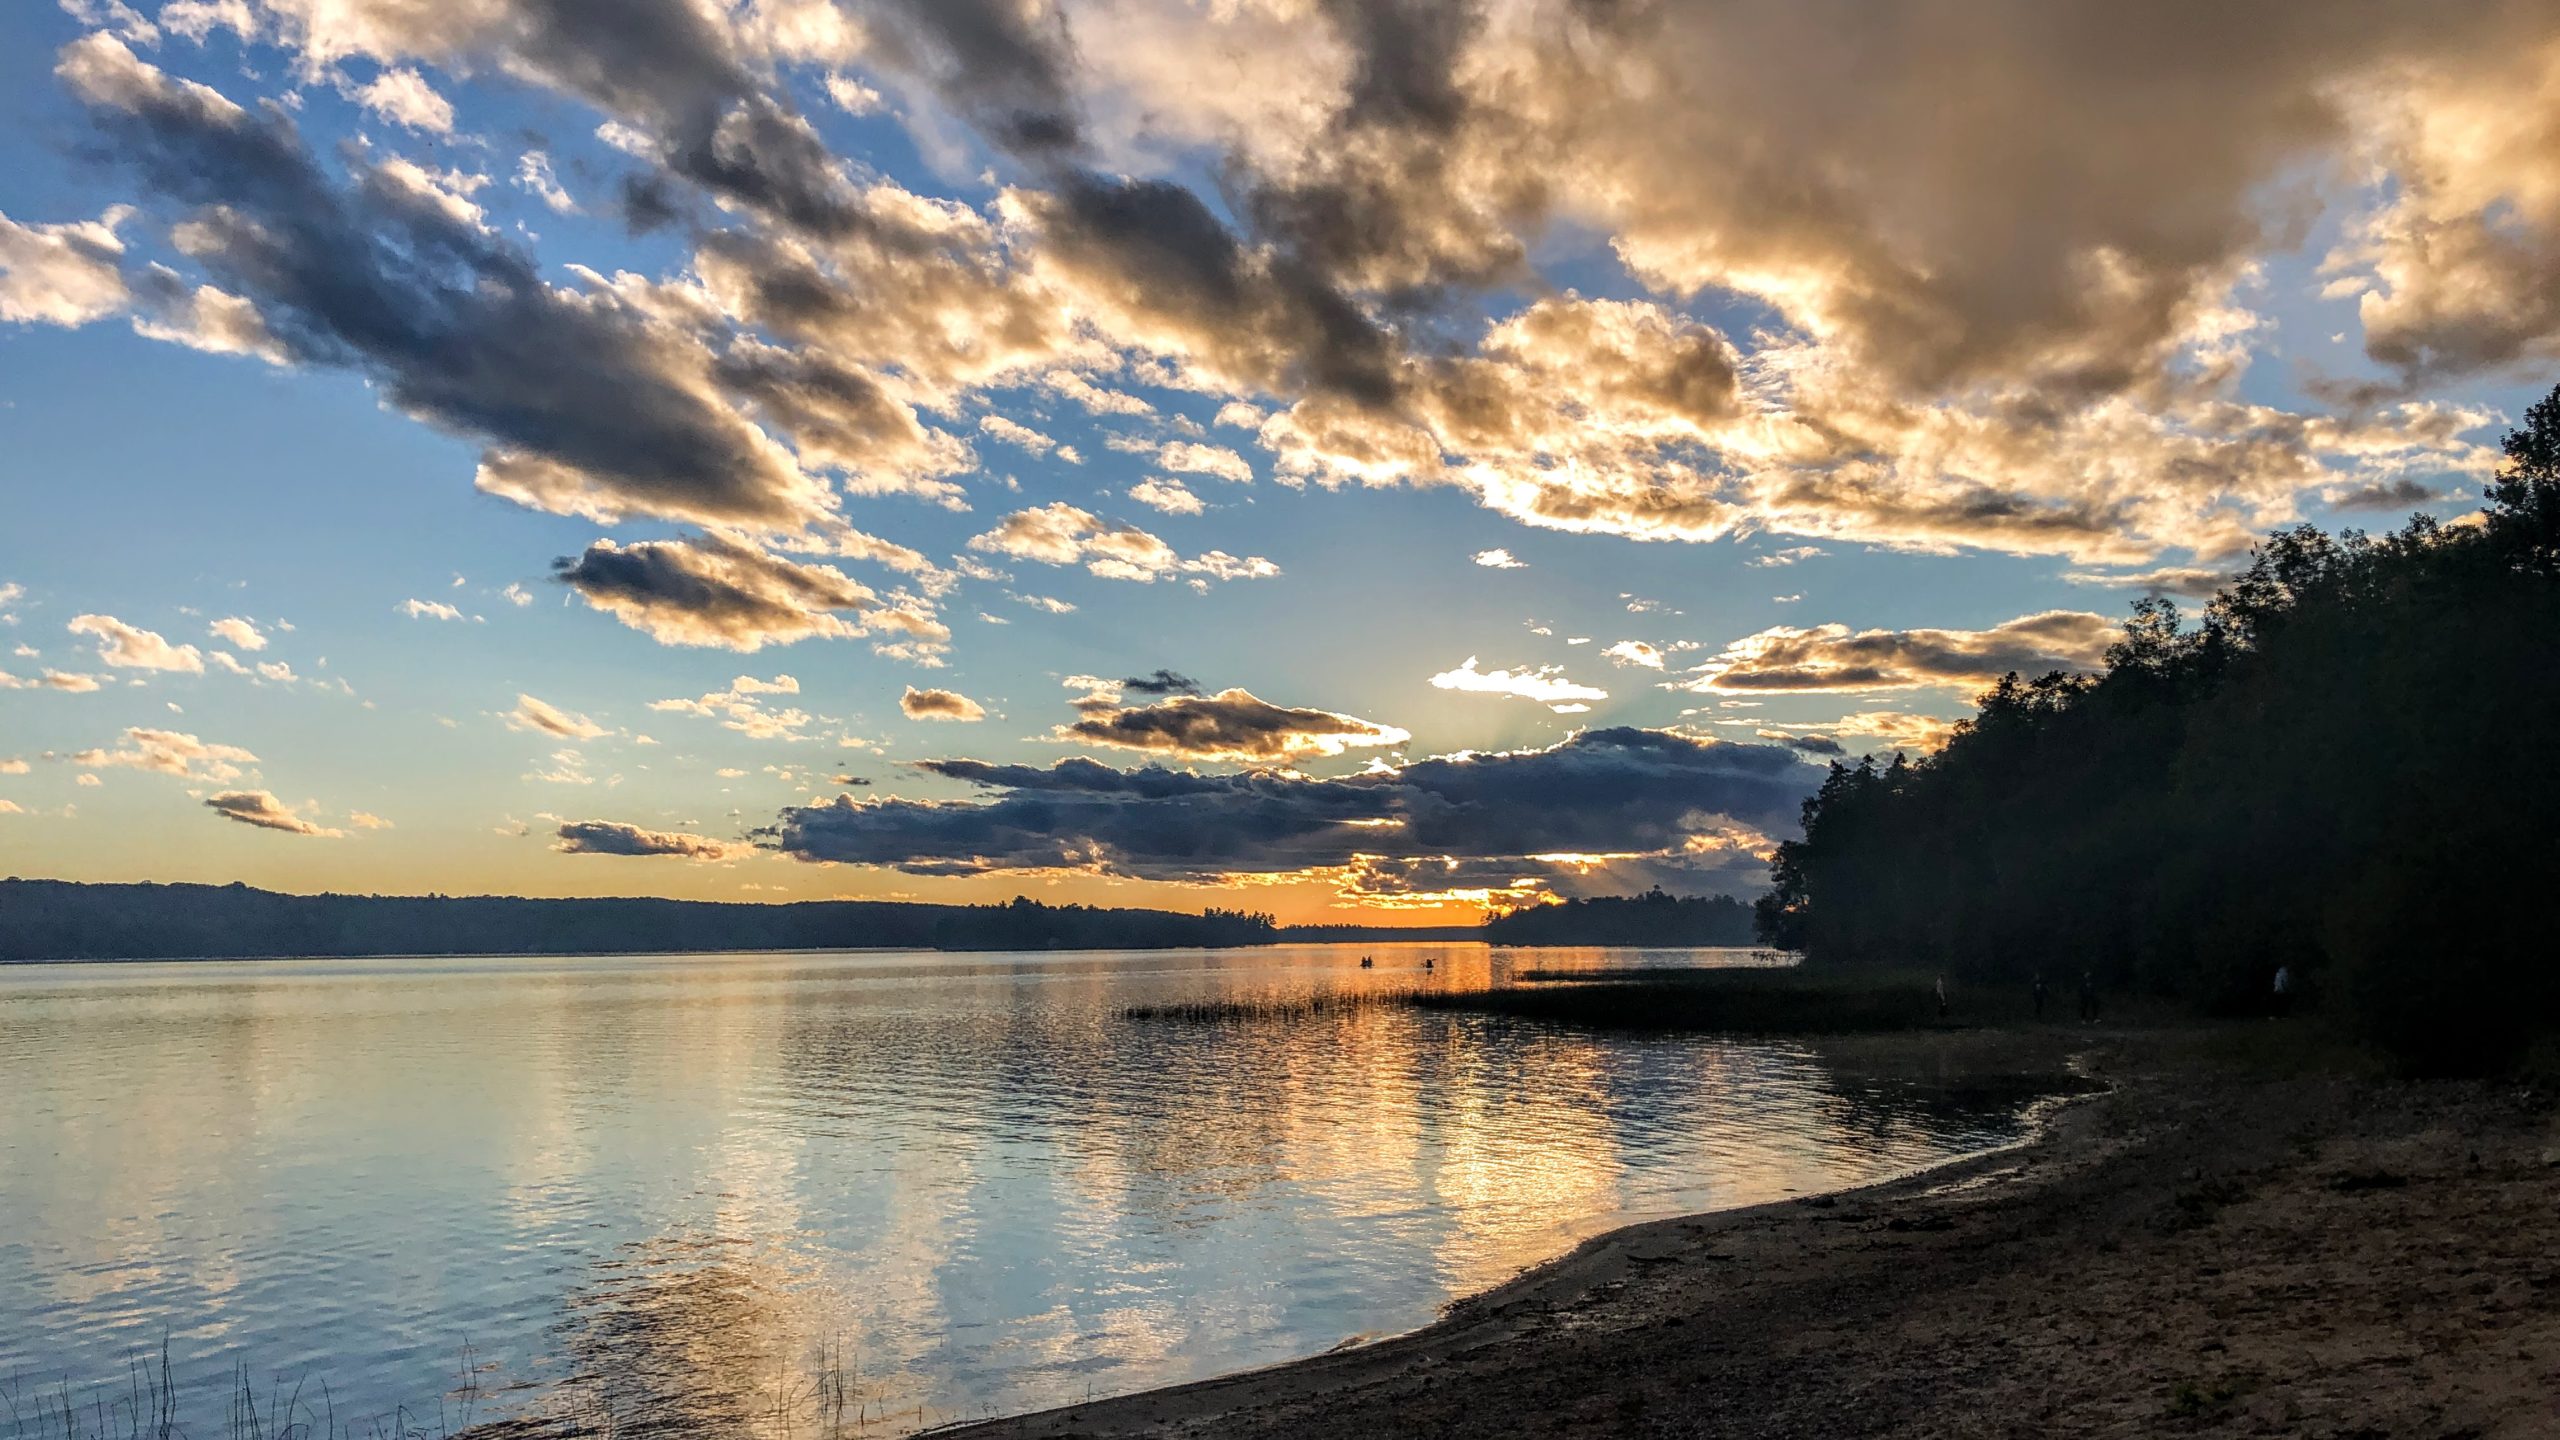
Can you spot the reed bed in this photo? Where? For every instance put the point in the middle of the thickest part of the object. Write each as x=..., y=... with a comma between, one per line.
x=1267, y=1007
x=1751, y=1001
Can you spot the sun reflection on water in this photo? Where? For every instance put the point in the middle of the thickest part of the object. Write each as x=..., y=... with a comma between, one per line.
x=737, y=1191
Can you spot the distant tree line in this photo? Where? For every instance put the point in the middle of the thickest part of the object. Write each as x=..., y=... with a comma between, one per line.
x=1026, y=924
x=1653, y=918
x=2345, y=768
x=62, y=920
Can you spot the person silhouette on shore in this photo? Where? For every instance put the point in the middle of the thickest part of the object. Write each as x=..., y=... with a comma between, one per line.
x=2039, y=992
x=2284, y=989
x=2088, y=997
x=1942, y=997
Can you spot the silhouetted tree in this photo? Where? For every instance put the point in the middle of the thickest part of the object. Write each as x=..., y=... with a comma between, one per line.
x=2344, y=767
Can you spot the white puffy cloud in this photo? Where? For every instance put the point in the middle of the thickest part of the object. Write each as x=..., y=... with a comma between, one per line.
x=1063, y=534
x=404, y=97
x=167, y=752
x=61, y=274
x=237, y=633
x=929, y=704
x=1158, y=492
x=1545, y=684
x=131, y=647
x=742, y=707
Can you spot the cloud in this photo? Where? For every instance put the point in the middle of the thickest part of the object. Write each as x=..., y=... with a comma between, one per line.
x=716, y=591
x=1895, y=730
x=1230, y=725
x=1955, y=338
x=918, y=704
x=540, y=717
x=589, y=402
x=168, y=752
x=263, y=810
x=612, y=837
x=367, y=820
x=417, y=609
x=75, y=684
x=130, y=647
x=1789, y=556
x=1016, y=434
x=1833, y=657
x=1603, y=804
x=1094, y=398
x=237, y=633
x=2193, y=581
x=741, y=707
x=61, y=274
x=14, y=767
x=1194, y=458
x=1499, y=559
x=1634, y=652
x=1546, y=684
x=404, y=97
x=2402, y=494
x=1162, y=682
x=1170, y=496
x=1062, y=534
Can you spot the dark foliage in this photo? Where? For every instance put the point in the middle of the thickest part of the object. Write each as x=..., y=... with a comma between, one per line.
x=2345, y=768
x=60, y=920
x=1652, y=918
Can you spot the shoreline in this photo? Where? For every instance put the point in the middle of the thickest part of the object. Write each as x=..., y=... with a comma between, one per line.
x=1479, y=1319
x=2100, y=1275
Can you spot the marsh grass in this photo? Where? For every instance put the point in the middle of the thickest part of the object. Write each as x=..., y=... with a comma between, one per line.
x=823, y=1399
x=1753, y=1000
x=1268, y=1007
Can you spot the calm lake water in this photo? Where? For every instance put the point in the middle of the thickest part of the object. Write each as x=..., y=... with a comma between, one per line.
x=720, y=1190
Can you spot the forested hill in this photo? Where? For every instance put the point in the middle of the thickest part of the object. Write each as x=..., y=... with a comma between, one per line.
x=61, y=920
x=2345, y=770
x=1653, y=918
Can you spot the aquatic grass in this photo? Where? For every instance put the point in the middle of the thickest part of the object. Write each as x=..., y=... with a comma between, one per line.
x=825, y=1400
x=1269, y=1007
x=1746, y=1000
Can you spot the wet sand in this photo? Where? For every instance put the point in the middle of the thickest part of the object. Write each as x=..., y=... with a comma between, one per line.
x=2212, y=1247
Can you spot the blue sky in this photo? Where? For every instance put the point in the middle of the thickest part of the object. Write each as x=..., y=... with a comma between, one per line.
x=1834, y=432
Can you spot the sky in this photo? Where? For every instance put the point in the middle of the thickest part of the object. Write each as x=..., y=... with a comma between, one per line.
x=1352, y=460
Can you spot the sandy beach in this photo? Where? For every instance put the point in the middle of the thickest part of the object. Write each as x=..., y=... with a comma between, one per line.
x=2212, y=1246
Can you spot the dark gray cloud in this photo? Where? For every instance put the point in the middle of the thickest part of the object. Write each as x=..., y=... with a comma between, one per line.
x=713, y=590
x=1822, y=745
x=1615, y=792
x=613, y=837
x=2403, y=494
x=587, y=404
x=1230, y=725
x=1162, y=682
x=264, y=811
x=1153, y=252
x=1834, y=657
x=1007, y=67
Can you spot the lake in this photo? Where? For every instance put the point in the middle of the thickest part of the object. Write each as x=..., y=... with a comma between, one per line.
x=757, y=1194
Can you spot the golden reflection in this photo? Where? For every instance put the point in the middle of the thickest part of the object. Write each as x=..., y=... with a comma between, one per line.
x=739, y=1191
